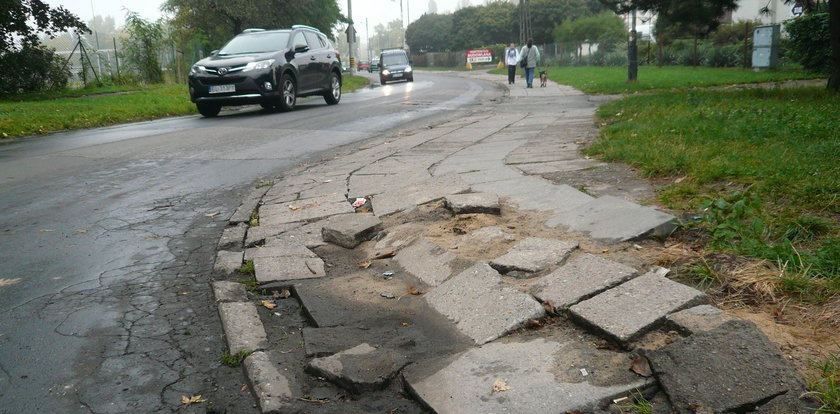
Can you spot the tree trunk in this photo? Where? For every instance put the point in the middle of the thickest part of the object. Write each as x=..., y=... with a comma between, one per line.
x=834, y=27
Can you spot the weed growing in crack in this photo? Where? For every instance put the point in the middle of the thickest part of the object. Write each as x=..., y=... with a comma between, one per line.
x=264, y=184
x=255, y=219
x=250, y=282
x=234, y=360
x=640, y=404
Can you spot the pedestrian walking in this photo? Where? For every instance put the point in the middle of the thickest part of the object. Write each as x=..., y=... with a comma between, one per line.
x=511, y=59
x=529, y=58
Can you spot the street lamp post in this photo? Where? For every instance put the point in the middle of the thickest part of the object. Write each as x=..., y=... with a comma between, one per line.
x=351, y=36
x=632, y=50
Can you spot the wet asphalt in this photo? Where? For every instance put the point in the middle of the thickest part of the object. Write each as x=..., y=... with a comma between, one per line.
x=108, y=236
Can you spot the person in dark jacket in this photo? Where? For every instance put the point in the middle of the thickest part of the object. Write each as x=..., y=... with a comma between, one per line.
x=531, y=56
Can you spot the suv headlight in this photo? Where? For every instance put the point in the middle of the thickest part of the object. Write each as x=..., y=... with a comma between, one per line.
x=408, y=68
x=263, y=64
x=386, y=72
x=196, y=69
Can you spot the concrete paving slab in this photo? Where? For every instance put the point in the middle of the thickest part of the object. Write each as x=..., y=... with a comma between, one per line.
x=365, y=185
x=288, y=268
x=243, y=329
x=410, y=196
x=426, y=261
x=348, y=230
x=473, y=203
x=533, y=193
x=532, y=382
x=225, y=291
x=258, y=234
x=732, y=368
x=227, y=262
x=359, y=369
x=308, y=235
x=279, y=248
x=481, y=306
x=536, y=168
x=233, y=237
x=627, y=311
x=699, y=319
x=489, y=175
x=272, y=389
x=333, y=186
x=304, y=210
x=581, y=279
x=320, y=342
x=249, y=204
x=613, y=219
x=533, y=255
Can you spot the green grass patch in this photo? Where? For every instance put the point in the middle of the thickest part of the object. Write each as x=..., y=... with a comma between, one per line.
x=638, y=404
x=350, y=83
x=43, y=114
x=613, y=79
x=760, y=170
x=70, y=93
x=234, y=360
x=827, y=386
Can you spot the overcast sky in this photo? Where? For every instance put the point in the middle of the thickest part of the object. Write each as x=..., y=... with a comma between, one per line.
x=376, y=11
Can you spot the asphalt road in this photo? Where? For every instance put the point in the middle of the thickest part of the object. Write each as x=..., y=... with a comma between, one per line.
x=108, y=241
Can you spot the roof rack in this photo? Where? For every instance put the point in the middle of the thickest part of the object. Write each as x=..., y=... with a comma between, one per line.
x=303, y=26
x=253, y=30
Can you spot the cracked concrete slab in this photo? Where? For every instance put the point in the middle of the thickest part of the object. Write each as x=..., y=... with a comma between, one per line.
x=287, y=268
x=349, y=230
x=272, y=389
x=699, y=319
x=533, y=193
x=533, y=255
x=227, y=262
x=304, y=210
x=410, y=196
x=613, y=219
x=426, y=261
x=243, y=329
x=581, y=279
x=361, y=368
x=473, y=203
x=233, y=237
x=226, y=291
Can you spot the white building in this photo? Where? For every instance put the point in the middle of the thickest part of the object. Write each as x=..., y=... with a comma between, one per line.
x=765, y=11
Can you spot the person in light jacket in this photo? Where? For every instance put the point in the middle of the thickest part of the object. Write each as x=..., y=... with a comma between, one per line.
x=531, y=56
x=511, y=59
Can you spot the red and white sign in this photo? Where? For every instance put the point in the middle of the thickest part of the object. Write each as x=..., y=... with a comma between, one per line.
x=479, y=56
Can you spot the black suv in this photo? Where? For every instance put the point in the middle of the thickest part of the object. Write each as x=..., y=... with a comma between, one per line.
x=267, y=67
x=394, y=65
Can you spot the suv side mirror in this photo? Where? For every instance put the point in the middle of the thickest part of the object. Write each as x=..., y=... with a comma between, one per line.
x=214, y=53
x=301, y=48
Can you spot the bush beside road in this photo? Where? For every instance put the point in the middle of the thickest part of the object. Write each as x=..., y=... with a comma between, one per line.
x=47, y=112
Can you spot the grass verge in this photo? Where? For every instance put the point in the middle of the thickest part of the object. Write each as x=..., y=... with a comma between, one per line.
x=350, y=83
x=757, y=168
x=827, y=386
x=613, y=79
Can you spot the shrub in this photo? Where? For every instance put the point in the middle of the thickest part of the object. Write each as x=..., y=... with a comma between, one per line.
x=32, y=68
x=810, y=41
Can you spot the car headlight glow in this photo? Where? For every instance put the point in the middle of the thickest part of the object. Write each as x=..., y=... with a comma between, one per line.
x=408, y=68
x=196, y=69
x=386, y=72
x=262, y=64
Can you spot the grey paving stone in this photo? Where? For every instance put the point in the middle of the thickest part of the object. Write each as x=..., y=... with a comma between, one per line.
x=308, y=235
x=534, y=373
x=699, y=319
x=581, y=279
x=471, y=203
x=613, y=219
x=426, y=261
x=259, y=234
x=280, y=247
x=304, y=210
x=359, y=369
x=732, y=368
x=243, y=329
x=496, y=173
x=232, y=237
x=534, y=193
x=572, y=164
x=627, y=311
x=226, y=291
x=365, y=185
x=249, y=204
x=287, y=268
x=272, y=389
x=321, y=308
x=227, y=262
x=348, y=230
x=410, y=196
x=481, y=306
x=534, y=255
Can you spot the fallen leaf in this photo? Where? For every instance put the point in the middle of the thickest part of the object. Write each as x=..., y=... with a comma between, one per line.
x=81, y=231
x=365, y=264
x=679, y=180
x=46, y=230
x=404, y=324
x=499, y=386
x=285, y=293
x=244, y=388
x=384, y=255
x=313, y=400
x=294, y=208
x=9, y=282
x=548, y=306
x=192, y=400
x=213, y=214
x=533, y=323
x=605, y=251
x=413, y=291
x=268, y=304
x=641, y=366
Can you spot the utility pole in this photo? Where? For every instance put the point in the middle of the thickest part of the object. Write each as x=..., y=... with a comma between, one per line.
x=351, y=36
x=367, y=36
x=632, y=50
x=524, y=21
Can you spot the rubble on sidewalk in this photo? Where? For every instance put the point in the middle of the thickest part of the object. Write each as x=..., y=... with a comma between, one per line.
x=473, y=203
x=359, y=369
x=350, y=229
x=426, y=261
x=533, y=255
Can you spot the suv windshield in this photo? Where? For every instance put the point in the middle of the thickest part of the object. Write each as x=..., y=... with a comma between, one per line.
x=256, y=43
x=394, y=59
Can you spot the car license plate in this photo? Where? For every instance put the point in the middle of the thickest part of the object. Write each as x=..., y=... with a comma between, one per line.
x=222, y=88
x=398, y=75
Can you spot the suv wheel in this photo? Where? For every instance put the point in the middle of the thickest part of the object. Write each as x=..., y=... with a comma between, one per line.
x=382, y=81
x=288, y=89
x=208, y=110
x=333, y=95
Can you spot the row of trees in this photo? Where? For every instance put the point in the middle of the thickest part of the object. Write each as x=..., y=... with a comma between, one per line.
x=496, y=22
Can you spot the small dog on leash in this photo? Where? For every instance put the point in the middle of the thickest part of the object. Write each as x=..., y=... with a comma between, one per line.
x=543, y=79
